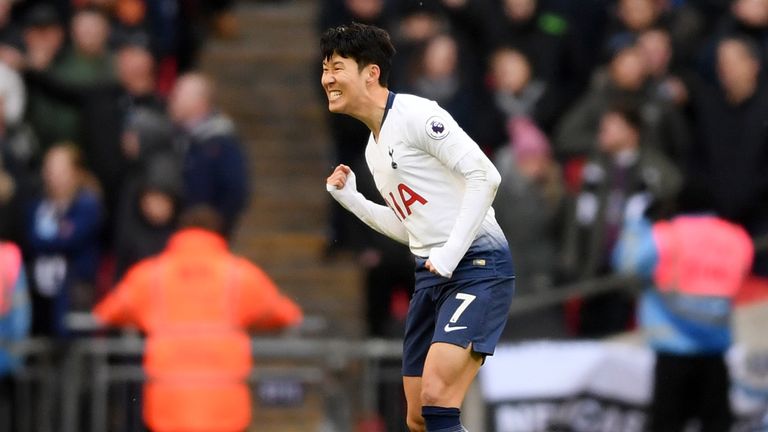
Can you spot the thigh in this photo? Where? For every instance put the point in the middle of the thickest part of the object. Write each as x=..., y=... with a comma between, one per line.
x=448, y=372
x=419, y=327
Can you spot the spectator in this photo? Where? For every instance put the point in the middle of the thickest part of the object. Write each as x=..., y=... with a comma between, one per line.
x=14, y=325
x=636, y=16
x=339, y=12
x=656, y=45
x=52, y=120
x=151, y=194
x=18, y=154
x=694, y=266
x=622, y=179
x=529, y=208
x=8, y=29
x=625, y=82
x=730, y=157
x=516, y=93
x=435, y=75
x=747, y=18
x=416, y=26
x=197, y=379
x=107, y=105
x=62, y=230
x=214, y=170
x=13, y=92
x=529, y=204
x=542, y=34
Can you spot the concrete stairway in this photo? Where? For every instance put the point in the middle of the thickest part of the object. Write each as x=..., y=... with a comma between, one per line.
x=268, y=81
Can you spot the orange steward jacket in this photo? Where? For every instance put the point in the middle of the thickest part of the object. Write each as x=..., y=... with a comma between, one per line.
x=195, y=302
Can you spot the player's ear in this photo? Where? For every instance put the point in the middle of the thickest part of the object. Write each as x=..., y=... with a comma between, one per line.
x=373, y=74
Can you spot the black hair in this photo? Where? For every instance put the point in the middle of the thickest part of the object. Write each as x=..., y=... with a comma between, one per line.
x=366, y=44
x=203, y=217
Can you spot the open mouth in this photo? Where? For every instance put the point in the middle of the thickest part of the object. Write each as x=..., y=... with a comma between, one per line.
x=334, y=95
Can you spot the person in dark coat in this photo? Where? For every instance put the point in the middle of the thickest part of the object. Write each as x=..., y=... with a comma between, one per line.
x=63, y=226
x=730, y=158
x=107, y=106
x=214, y=164
x=152, y=190
x=624, y=178
x=625, y=81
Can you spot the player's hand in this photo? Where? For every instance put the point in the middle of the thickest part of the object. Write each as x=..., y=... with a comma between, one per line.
x=440, y=262
x=338, y=177
x=431, y=268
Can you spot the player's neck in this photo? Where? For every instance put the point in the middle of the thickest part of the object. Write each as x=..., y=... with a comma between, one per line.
x=373, y=112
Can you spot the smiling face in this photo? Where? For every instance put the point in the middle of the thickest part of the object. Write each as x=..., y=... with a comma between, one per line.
x=344, y=83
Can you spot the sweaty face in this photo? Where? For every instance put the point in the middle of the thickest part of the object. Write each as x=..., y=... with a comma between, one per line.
x=343, y=83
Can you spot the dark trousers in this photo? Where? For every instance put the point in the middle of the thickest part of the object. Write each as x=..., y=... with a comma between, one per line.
x=688, y=387
x=7, y=409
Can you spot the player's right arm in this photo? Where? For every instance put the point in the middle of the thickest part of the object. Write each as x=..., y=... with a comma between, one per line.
x=343, y=188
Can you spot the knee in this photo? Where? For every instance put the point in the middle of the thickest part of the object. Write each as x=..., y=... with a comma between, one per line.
x=433, y=392
x=416, y=422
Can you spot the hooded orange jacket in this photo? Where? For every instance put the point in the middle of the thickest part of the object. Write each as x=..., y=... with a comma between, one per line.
x=195, y=301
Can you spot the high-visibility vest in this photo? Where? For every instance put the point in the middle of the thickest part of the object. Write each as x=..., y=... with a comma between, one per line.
x=196, y=361
x=195, y=301
x=10, y=264
x=701, y=256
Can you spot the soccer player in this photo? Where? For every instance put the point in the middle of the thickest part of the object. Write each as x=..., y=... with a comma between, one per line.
x=439, y=187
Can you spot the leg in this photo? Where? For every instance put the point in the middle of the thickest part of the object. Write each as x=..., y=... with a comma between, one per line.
x=448, y=372
x=714, y=407
x=412, y=387
x=669, y=405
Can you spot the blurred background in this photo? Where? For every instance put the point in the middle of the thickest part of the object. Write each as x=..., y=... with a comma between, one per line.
x=116, y=115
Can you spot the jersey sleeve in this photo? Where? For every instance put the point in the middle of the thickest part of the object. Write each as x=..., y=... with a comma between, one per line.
x=434, y=131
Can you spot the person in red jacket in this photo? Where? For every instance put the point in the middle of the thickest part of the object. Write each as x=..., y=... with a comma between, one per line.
x=195, y=302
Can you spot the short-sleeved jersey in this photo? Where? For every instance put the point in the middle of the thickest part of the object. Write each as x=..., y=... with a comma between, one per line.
x=413, y=165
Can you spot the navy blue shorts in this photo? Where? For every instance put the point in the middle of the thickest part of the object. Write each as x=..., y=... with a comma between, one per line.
x=469, y=308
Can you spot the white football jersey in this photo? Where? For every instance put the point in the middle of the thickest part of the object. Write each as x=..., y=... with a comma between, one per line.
x=413, y=167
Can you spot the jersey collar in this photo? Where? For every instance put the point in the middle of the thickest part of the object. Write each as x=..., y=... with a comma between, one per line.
x=390, y=102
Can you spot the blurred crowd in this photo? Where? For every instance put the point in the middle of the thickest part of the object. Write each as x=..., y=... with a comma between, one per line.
x=107, y=133
x=594, y=111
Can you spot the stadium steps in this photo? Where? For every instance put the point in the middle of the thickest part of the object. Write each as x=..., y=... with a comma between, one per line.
x=268, y=82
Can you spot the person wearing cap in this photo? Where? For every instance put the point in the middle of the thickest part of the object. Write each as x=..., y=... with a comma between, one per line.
x=44, y=38
x=530, y=207
x=151, y=193
x=195, y=301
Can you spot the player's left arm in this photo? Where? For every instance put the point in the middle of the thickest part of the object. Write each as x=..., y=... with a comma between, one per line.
x=446, y=141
